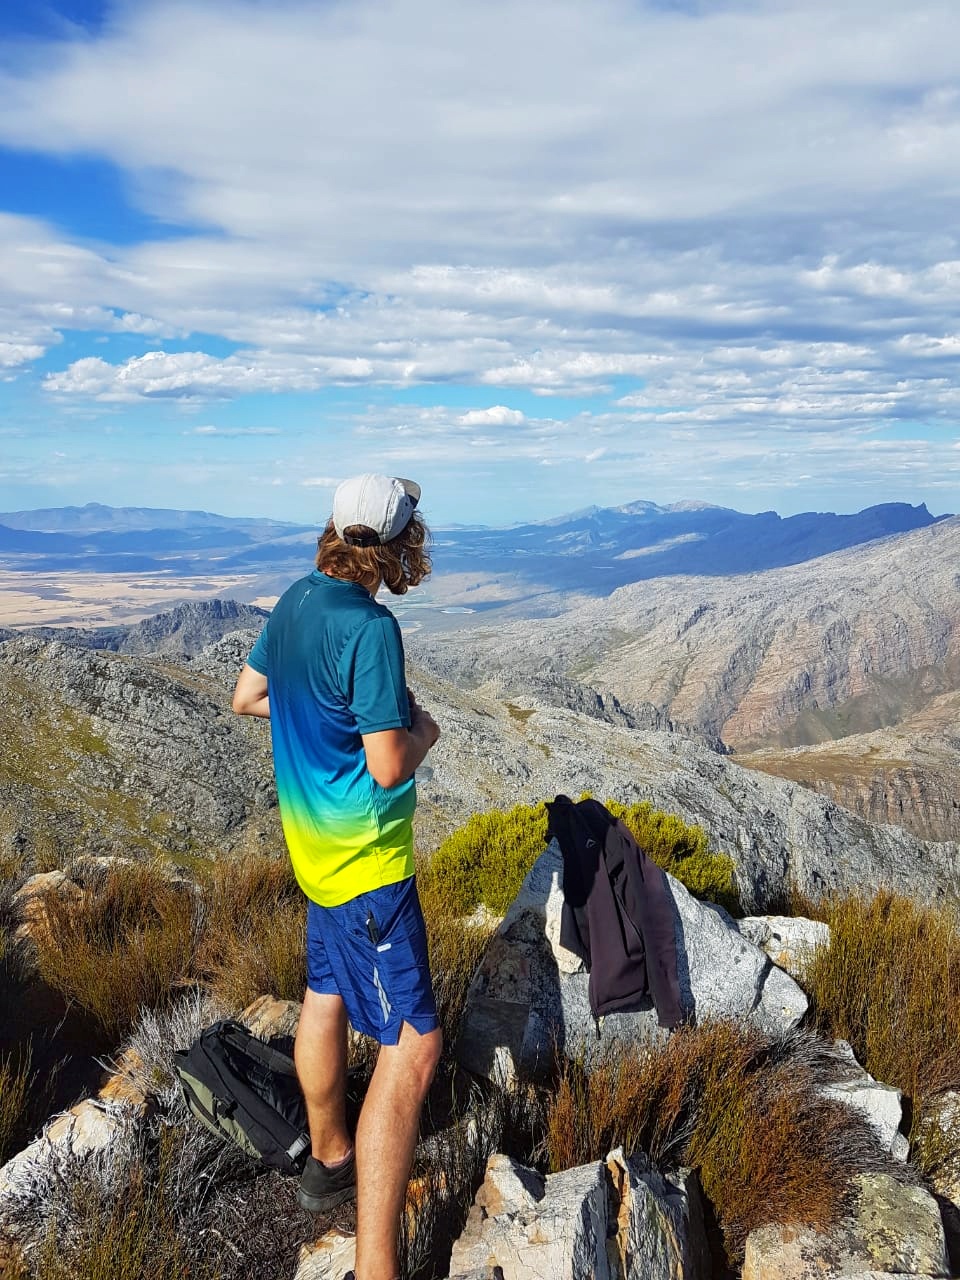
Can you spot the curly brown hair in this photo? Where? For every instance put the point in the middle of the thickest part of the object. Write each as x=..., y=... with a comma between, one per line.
x=399, y=564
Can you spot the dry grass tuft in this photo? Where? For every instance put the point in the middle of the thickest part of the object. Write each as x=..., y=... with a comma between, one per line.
x=254, y=931
x=740, y=1107
x=25, y=1099
x=890, y=984
x=127, y=944
x=136, y=1216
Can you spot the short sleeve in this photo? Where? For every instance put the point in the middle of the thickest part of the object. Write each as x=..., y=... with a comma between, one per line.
x=257, y=658
x=373, y=678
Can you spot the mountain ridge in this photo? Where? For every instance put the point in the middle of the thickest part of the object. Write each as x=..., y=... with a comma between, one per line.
x=593, y=551
x=138, y=754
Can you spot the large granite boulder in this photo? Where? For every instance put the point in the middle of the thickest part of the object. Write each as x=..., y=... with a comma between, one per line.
x=618, y=1220
x=891, y=1229
x=529, y=996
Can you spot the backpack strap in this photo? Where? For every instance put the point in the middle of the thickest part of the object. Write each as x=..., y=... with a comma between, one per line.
x=242, y=1038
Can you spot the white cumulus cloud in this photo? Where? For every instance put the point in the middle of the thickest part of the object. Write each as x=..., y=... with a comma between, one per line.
x=497, y=416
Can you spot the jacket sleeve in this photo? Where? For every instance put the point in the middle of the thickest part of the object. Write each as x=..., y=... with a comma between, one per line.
x=574, y=924
x=649, y=905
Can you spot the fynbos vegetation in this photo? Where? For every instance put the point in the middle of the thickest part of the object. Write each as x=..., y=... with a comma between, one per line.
x=743, y=1108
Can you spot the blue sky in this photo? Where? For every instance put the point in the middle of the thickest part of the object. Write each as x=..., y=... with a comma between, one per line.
x=535, y=254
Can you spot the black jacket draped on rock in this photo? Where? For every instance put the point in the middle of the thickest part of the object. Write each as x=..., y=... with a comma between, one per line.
x=618, y=914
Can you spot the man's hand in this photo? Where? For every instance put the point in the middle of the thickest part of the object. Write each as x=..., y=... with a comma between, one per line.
x=423, y=722
x=394, y=755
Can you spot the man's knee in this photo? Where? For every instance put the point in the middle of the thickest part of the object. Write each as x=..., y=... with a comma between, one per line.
x=420, y=1054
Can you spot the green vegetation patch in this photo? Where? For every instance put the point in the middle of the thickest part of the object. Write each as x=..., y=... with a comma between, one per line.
x=487, y=859
x=521, y=714
x=683, y=850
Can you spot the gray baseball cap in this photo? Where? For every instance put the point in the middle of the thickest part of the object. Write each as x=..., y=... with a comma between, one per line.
x=381, y=504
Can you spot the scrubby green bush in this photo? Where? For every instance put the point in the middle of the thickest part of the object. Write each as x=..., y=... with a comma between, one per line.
x=456, y=948
x=488, y=858
x=682, y=849
x=889, y=983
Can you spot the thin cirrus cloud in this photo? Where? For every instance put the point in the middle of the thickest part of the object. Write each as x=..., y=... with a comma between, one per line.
x=740, y=221
x=233, y=432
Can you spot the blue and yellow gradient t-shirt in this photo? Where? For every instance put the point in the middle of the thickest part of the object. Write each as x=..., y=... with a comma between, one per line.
x=333, y=658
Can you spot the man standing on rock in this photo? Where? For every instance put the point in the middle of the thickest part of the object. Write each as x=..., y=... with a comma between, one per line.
x=328, y=670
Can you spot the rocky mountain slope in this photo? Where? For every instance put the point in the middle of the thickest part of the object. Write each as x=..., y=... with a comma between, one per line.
x=103, y=753
x=112, y=752
x=848, y=643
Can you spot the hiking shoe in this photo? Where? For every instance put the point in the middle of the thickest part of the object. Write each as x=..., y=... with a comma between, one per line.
x=322, y=1189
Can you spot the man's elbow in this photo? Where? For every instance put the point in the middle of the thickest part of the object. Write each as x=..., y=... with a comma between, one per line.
x=388, y=775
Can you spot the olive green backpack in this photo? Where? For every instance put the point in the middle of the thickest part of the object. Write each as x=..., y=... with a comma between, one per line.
x=247, y=1091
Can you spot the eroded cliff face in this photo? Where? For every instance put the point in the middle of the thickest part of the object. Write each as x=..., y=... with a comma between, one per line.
x=907, y=775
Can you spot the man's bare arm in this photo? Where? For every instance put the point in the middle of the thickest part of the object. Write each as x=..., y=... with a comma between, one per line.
x=250, y=695
x=393, y=755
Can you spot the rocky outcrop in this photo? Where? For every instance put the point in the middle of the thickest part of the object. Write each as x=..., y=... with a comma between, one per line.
x=180, y=632
x=879, y=1104
x=90, y=1128
x=529, y=996
x=618, y=1220
x=329, y=1258
x=190, y=628
x=944, y=1122
x=891, y=1228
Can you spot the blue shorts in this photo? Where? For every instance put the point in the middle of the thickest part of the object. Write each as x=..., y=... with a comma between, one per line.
x=372, y=951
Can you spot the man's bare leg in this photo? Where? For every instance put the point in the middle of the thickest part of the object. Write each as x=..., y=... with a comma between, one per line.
x=386, y=1138
x=320, y=1053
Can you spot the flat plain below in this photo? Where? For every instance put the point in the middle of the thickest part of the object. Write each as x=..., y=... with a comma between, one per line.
x=99, y=599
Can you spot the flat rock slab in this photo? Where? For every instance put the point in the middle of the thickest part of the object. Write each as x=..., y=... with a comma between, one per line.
x=530, y=995
x=892, y=1229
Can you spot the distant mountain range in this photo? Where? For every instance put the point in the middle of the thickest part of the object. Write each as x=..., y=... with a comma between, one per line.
x=592, y=551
